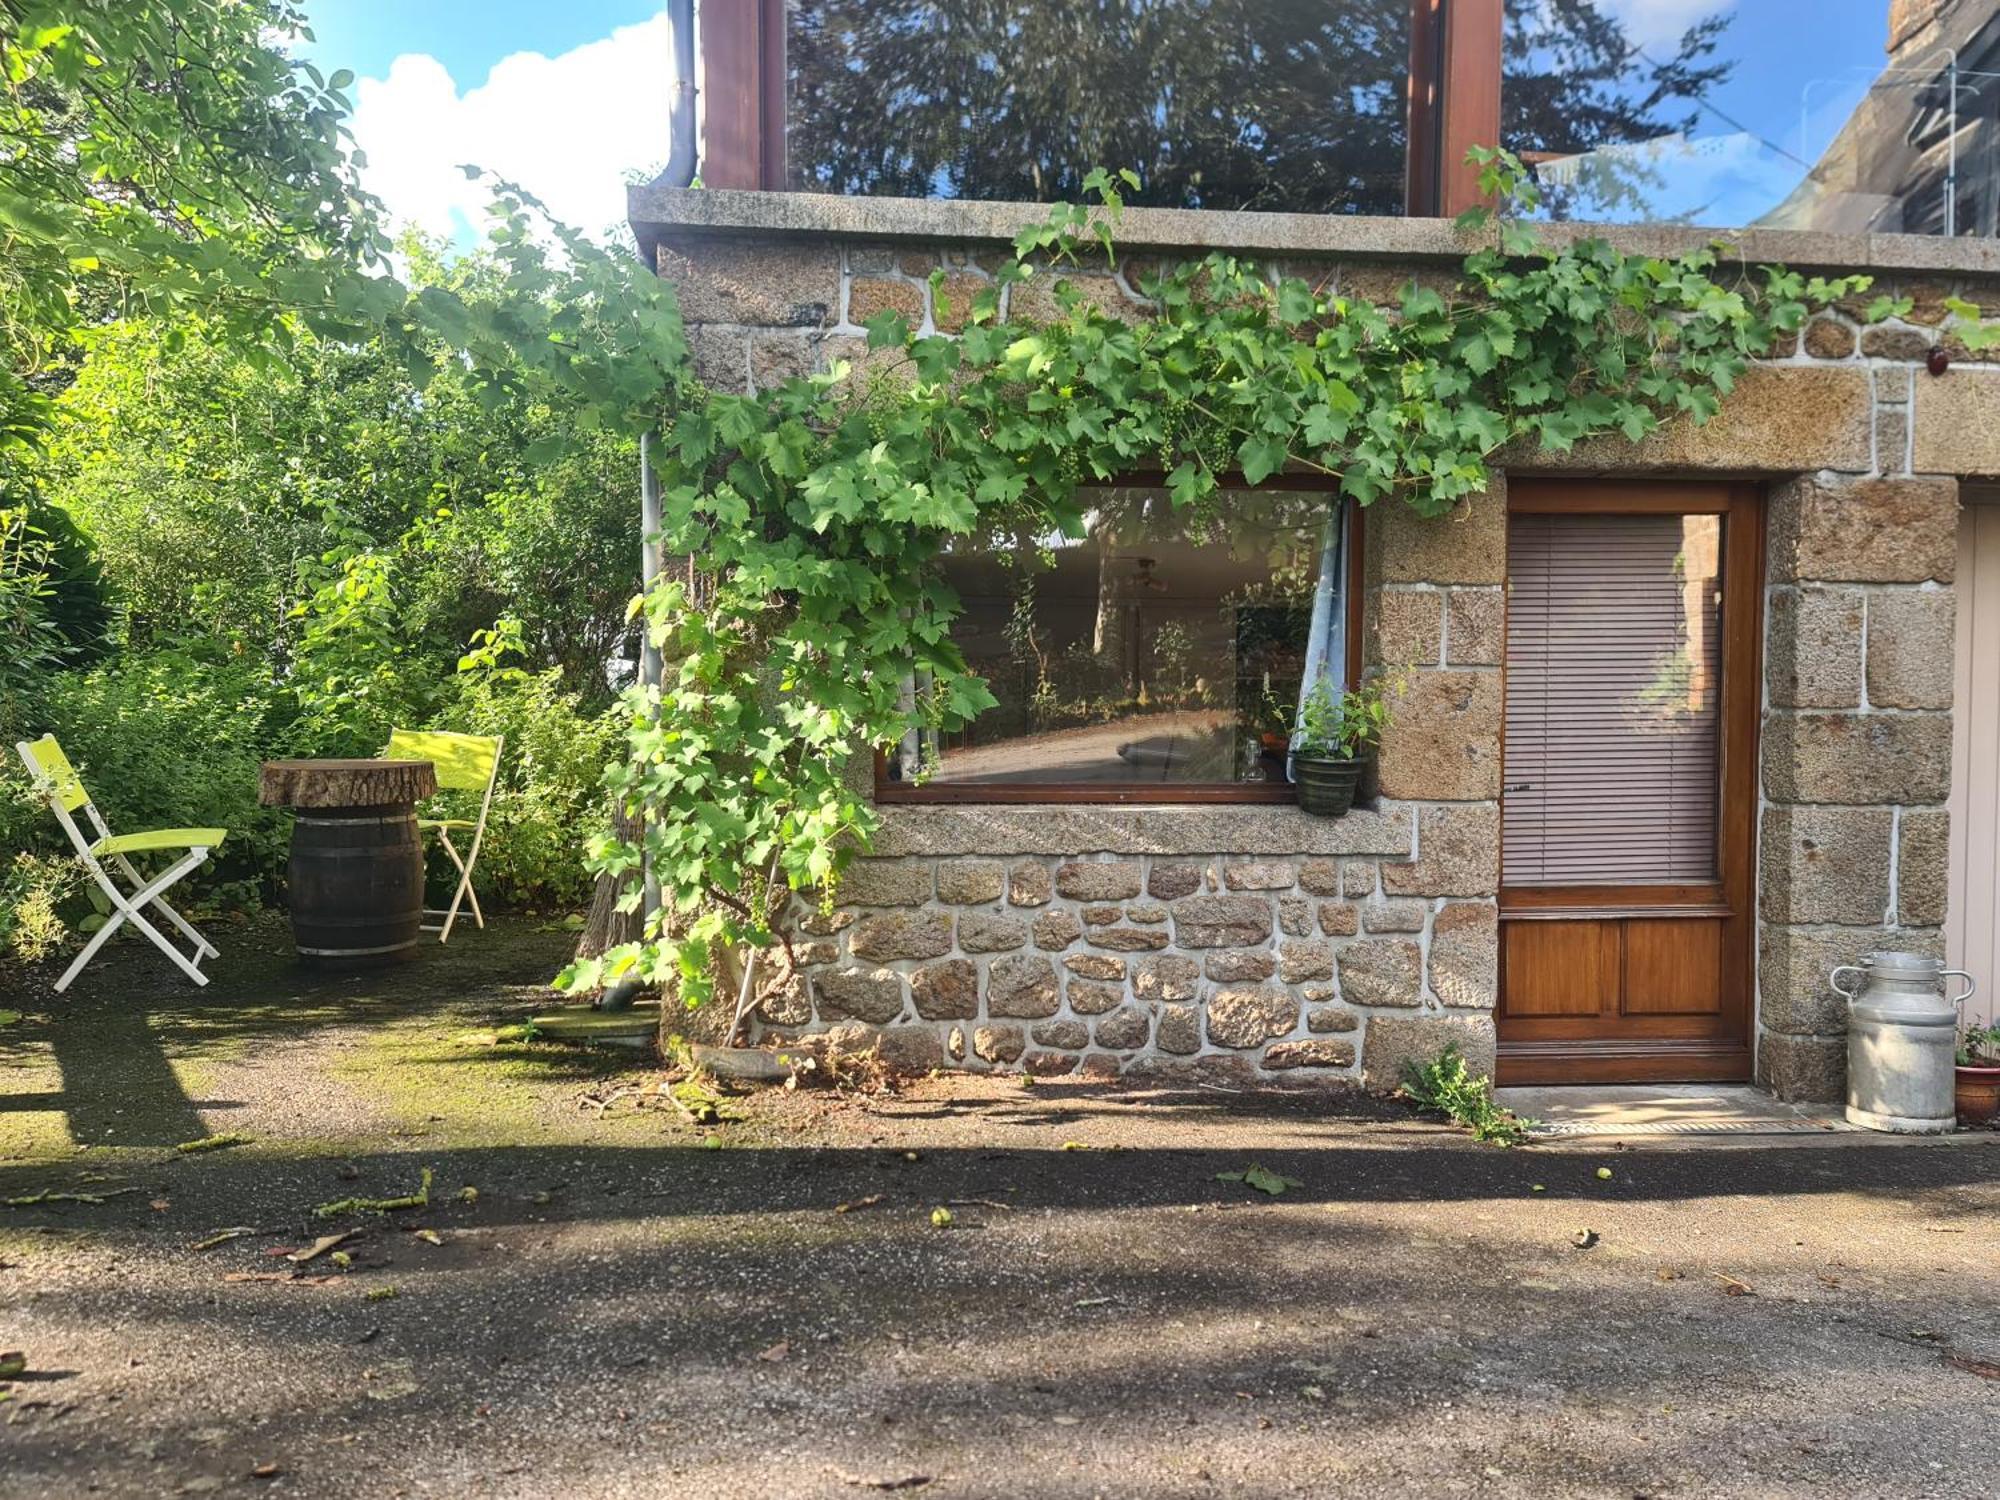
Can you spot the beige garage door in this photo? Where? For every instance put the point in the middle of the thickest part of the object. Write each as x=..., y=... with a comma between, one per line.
x=1973, y=930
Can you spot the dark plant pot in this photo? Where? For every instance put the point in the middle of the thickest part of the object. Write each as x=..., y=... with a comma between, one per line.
x=1975, y=1093
x=1326, y=787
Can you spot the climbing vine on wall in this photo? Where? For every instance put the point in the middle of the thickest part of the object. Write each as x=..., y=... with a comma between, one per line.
x=816, y=510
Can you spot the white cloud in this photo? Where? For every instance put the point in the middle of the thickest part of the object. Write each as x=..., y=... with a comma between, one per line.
x=1655, y=23
x=566, y=128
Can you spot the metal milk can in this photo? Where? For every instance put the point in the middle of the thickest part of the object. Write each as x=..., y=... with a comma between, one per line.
x=1900, y=1033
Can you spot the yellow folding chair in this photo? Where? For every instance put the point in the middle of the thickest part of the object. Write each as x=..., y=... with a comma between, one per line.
x=464, y=763
x=57, y=780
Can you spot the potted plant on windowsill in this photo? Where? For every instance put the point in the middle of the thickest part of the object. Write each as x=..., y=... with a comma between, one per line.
x=1335, y=734
x=1976, y=1078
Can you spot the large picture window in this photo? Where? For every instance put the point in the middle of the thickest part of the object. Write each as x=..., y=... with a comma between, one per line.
x=1158, y=656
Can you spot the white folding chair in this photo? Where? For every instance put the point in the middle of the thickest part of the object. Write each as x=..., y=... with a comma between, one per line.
x=57, y=780
x=464, y=763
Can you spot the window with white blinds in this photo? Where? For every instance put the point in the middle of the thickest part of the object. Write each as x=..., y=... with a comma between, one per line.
x=1614, y=665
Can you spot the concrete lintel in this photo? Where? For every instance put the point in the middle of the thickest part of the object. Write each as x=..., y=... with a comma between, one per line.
x=659, y=214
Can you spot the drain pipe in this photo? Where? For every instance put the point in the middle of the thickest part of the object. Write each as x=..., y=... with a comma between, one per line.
x=679, y=173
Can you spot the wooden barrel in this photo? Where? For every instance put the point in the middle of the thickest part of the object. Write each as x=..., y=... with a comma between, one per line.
x=357, y=885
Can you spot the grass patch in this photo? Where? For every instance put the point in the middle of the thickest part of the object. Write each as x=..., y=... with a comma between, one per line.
x=1447, y=1086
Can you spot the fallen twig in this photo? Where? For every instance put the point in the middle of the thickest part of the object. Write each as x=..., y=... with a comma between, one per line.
x=871, y=1201
x=979, y=1203
x=212, y=1143
x=50, y=1195
x=1986, y=1369
x=1731, y=1287
x=319, y=1247
x=223, y=1237
x=421, y=1198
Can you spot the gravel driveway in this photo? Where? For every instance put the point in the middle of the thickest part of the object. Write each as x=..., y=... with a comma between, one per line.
x=618, y=1307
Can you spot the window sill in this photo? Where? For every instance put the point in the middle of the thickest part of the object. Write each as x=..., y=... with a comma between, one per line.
x=1006, y=829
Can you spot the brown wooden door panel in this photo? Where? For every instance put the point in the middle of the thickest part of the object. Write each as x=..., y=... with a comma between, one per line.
x=1635, y=981
x=1559, y=968
x=1673, y=967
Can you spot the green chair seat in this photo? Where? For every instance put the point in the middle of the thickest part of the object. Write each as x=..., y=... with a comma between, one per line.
x=445, y=823
x=160, y=838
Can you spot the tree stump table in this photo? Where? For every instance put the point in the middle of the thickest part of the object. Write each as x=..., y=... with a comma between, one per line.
x=357, y=866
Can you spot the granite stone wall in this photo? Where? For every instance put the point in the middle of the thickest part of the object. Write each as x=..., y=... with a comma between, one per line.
x=1256, y=942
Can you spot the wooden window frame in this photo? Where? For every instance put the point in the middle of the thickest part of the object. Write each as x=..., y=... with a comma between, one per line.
x=1152, y=793
x=1454, y=93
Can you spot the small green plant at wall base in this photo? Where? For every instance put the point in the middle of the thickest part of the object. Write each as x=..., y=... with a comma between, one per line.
x=1447, y=1086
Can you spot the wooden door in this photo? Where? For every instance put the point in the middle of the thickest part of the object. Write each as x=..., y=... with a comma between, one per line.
x=1972, y=919
x=1630, y=782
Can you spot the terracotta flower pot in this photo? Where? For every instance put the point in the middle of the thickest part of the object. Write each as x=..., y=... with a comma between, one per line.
x=1976, y=1093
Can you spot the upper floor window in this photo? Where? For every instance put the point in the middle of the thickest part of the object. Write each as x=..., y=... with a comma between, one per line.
x=1851, y=116
x=1233, y=104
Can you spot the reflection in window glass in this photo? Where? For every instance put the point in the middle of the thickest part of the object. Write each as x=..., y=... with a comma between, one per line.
x=1266, y=104
x=1163, y=647
x=1839, y=115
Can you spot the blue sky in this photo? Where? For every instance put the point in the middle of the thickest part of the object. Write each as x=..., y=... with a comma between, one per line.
x=467, y=36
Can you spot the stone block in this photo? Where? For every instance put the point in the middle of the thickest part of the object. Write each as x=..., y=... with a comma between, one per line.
x=1407, y=627
x=826, y=923
x=1250, y=1015
x=883, y=936
x=1022, y=985
x=1094, y=966
x=1795, y=964
x=1332, y=1018
x=1320, y=877
x=1068, y=1034
x=1100, y=1067
x=886, y=882
x=1864, y=530
x=1125, y=1029
x=952, y=299
x=1465, y=955
x=1048, y=1064
x=721, y=359
x=1404, y=914
x=874, y=995
x=1037, y=300
x=1955, y=431
x=1259, y=875
x=1892, y=439
x=1102, y=916
x=775, y=283
x=1912, y=634
x=1098, y=880
x=1168, y=976
x=911, y=1050
x=1028, y=884
x=946, y=991
x=1825, y=864
x=788, y=1005
x=1393, y=1041
x=1172, y=879
x=1923, y=866
x=1442, y=743
x=970, y=882
x=999, y=1044
x=1857, y=758
x=871, y=296
x=1815, y=648
x=1221, y=921
x=983, y=932
x=1295, y=916
x=1233, y=964
x=1779, y=419
x=1088, y=998
x=1475, y=631
x=1458, y=854
x=1466, y=545
x=1056, y=930
x=1381, y=971
x=1316, y=1052
x=1130, y=939
x=778, y=357
x=1179, y=1030
x=1189, y=831
x=1909, y=346
x=1146, y=911
x=1803, y=1069
x=1338, y=919
x=1299, y=962
x=1829, y=338
x=1357, y=881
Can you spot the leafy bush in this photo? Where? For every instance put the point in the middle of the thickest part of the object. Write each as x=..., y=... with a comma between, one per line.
x=34, y=888
x=1448, y=1087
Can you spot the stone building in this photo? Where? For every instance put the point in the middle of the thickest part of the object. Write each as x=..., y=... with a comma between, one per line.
x=1583, y=864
